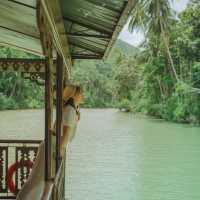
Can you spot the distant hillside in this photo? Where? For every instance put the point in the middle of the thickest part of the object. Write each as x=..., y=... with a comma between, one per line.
x=126, y=48
x=122, y=48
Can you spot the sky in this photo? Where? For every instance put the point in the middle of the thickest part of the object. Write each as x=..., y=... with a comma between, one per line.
x=136, y=38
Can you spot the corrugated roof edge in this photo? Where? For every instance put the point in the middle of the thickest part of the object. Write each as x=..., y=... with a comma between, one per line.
x=121, y=22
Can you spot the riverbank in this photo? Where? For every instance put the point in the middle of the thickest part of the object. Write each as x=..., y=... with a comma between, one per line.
x=127, y=109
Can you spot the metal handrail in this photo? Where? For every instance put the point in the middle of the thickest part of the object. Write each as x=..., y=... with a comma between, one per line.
x=21, y=141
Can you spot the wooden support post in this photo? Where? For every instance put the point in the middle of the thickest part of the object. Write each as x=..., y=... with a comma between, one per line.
x=59, y=107
x=51, y=27
x=47, y=120
x=50, y=139
x=47, y=43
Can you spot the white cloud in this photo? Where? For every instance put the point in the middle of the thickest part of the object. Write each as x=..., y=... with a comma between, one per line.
x=133, y=38
x=179, y=5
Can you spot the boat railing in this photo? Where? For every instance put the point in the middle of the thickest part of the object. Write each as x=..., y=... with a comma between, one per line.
x=59, y=183
x=11, y=152
x=55, y=189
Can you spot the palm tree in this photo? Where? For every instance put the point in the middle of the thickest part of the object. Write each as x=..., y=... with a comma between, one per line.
x=154, y=17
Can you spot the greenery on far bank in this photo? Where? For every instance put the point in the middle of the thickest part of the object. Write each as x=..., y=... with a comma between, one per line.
x=15, y=91
x=167, y=71
x=160, y=78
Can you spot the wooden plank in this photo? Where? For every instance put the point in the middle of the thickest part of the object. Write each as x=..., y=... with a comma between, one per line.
x=18, y=40
x=17, y=17
x=86, y=56
x=31, y=3
x=100, y=30
x=20, y=142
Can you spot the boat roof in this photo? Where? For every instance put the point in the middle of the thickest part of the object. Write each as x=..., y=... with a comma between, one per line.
x=90, y=26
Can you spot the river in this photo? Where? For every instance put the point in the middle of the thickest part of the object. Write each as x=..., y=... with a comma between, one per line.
x=121, y=156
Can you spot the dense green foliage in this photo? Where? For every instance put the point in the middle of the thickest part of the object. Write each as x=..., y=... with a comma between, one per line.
x=104, y=81
x=15, y=91
x=158, y=91
x=160, y=78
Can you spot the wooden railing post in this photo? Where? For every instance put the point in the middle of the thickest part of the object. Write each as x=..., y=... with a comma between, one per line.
x=48, y=121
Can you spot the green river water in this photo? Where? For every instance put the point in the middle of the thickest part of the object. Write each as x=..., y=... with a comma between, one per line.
x=121, y=156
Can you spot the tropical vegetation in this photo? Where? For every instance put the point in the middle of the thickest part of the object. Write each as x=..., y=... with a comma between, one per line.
x=161, y=77
x=16, y=92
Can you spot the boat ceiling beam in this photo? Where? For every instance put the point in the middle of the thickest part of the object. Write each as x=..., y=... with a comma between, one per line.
x=23, y=4
x=87, y=26
x=99, y=3
x=16, y=31
x=86, y=47
x=88, y=35
x=86, y=56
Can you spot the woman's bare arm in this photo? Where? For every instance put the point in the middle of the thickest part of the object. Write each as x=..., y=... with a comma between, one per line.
x=64, y=139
